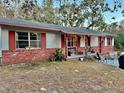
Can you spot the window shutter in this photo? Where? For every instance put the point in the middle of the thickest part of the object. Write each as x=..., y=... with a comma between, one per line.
x=43, y=36
x=12, y=40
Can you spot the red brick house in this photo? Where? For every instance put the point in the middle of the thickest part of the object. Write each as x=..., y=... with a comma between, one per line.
x=26, y=41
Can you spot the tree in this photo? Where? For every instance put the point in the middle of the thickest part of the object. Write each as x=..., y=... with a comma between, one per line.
x=119, y=40
x=5, y=9
x=9, y=8
x=48, y=12
x=27, y=9
x=2, y=10
x=95, y=9
x=70, y=14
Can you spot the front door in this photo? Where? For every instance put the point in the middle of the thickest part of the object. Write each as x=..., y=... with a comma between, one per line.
x=87, y=41
x=71, y=45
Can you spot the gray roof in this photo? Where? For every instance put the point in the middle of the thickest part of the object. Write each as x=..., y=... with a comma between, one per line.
x=33, y=24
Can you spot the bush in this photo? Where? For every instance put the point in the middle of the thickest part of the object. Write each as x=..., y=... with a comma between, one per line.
x=59, y=56
x=119, y=41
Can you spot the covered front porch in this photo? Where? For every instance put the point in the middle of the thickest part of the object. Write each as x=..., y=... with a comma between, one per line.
x=77, y=46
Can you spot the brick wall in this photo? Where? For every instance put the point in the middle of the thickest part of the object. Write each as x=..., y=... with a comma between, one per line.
x=96, y=49
x=29, y=55
x=105, y=49
x=83, y=49
x=33, y=55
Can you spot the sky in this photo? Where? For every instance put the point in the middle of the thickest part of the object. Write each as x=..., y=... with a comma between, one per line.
x=108, y=15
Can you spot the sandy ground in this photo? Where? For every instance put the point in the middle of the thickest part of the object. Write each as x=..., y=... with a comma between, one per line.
x=61, y=77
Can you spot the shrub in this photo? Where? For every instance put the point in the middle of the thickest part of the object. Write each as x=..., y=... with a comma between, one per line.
x=119, y=41
x=59, y=56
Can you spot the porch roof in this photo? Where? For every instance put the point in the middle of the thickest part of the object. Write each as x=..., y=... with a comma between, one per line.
x=45, y=26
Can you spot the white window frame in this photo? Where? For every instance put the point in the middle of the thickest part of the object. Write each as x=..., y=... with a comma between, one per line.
x=103, y=41
x=110, y=38
x=29, y=40
x=72, y=40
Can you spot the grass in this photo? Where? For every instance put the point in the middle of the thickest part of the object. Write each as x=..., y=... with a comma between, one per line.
x=61, y=77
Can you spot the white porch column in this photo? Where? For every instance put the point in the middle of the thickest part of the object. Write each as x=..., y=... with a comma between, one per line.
x=105, y=41
x=112, y=41
x=0, y=45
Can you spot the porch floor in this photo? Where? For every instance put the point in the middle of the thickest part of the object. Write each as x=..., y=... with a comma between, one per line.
x=75, y=56
x=83, y=55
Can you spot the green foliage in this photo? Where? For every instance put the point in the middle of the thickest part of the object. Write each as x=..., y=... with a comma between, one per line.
x=59, y=56
x=94, y=12
x=71, y=13
x=48, y=12
x=28, y=10
x=119, y=41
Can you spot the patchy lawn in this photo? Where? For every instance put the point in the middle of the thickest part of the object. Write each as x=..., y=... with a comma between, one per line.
x=61, y=77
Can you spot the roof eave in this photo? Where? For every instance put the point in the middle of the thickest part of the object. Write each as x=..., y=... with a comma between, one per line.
x=29, y=27
x=82, y=34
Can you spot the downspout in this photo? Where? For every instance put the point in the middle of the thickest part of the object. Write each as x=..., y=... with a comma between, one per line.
x=0, y=45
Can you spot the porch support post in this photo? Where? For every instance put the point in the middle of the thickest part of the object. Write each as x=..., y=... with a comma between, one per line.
x=0, y=45
x=99, y=44
x=62, y=41
x=78, y=40
x=66, y=44
x=113, y=41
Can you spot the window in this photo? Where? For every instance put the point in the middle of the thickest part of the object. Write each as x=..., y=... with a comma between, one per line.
x=21, y=39
x=28, y=39
x=103, y=41
x=109, y=41
x=72, y=41
x=35, y=40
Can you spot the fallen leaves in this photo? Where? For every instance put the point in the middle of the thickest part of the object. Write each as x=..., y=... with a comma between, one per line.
x=64, y=77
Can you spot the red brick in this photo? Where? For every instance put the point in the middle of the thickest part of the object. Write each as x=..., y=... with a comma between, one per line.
x=10, y=57
x=33, y=55
x=105, y=49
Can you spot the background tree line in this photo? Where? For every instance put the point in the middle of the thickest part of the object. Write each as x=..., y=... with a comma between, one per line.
x=70, y=13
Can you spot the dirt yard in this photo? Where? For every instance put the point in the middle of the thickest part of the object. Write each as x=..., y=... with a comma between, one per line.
x=61, y=77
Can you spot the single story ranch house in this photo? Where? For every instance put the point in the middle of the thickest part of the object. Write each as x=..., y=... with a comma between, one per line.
x=27, y=41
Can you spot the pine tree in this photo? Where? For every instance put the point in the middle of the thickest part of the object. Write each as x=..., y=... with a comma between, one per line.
x=48, y=12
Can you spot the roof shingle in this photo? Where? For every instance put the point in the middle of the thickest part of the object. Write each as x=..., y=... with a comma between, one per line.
x=32, y=24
